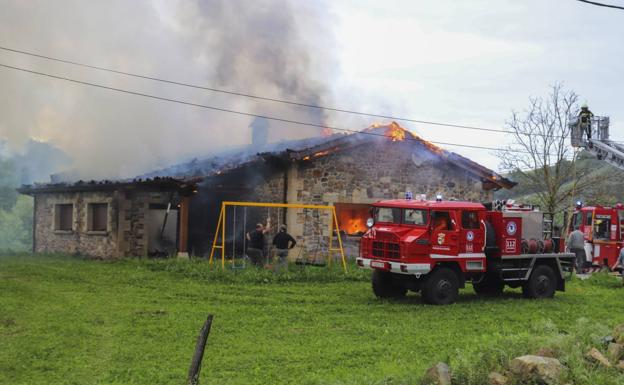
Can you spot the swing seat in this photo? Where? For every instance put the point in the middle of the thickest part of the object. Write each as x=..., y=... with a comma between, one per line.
x=235, y=266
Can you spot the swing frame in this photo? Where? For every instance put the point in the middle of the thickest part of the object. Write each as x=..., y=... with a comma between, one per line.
x=221, y=226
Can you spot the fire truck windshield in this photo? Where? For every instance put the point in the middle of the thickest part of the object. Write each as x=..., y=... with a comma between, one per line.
x=396, y=215
x=415, y=217
x=577, y=220
x=388, y=215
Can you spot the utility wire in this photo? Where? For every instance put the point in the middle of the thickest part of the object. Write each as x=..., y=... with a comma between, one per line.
x=601, y=4
x=276, y=100
x=274, y=118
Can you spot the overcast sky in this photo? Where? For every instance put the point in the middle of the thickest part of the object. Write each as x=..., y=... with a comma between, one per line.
x=468, y=62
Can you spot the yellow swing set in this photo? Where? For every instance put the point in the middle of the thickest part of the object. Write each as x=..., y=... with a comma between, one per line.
x=221, y=223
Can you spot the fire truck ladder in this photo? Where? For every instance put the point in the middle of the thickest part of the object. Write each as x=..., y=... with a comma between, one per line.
x=598, y=143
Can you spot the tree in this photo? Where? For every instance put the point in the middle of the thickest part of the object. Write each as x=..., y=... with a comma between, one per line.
x=541, y=153
x=8, y=183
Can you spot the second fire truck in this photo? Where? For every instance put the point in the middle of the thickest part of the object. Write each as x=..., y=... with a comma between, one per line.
x=603, y=230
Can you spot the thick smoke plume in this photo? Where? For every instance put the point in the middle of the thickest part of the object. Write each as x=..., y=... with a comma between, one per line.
x=278, y=49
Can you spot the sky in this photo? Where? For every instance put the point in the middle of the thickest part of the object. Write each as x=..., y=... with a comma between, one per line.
x=468, y=63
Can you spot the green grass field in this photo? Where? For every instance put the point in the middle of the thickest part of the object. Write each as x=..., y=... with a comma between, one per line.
x=68, y=321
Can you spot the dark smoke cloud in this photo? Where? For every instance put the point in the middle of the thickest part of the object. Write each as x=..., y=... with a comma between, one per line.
x=281, y=49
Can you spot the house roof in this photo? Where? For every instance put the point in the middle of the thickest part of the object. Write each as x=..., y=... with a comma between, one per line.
x=307, y=149
x=183, y=186
x=180, y=175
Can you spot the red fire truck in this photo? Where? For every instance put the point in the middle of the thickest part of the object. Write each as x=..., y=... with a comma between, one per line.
x=603, y=228
x=436, y=246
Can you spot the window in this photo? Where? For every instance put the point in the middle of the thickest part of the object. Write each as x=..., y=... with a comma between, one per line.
x=621, y=220
x=97, y=217
x=602, y=227
x=577, y=220
x=470, y=220
x=64, y=217
x=588, y=219
x=388, y=215
x=415, y=217
x=441, y=220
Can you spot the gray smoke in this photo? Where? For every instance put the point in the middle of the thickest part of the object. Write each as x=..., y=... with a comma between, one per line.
x=278, y=49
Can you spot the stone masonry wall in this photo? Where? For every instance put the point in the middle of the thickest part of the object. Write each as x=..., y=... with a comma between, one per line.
x=133, y=222
x=79, y=240
x=126, y=233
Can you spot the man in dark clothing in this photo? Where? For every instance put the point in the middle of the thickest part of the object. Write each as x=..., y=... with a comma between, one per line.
x=283, y=242
x=255, y=243
x=585, y=117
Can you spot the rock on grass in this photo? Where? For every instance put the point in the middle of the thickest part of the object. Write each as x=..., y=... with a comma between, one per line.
x=495, y=378
x=539, y=369
x=439, y=374
x=594, y=355
x=615, y=352
x=618, y=334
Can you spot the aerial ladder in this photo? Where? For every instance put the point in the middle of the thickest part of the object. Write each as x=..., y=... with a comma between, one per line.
x=592, y=134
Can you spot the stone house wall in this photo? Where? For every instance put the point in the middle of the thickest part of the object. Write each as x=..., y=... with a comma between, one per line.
x=79, y=240
x=126, y=223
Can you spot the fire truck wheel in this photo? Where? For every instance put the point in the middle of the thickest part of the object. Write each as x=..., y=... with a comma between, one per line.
x=441, y=288
x=385, y=286
x=489, y=285
x=541, y=284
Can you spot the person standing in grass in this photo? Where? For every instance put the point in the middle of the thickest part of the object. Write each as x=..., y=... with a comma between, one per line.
x=619, y=265
x=576, y=245
x=283, y=242
x=255, y=245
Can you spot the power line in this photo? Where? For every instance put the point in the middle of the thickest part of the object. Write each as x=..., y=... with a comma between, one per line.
x=278, y=119
x=601, y=4
x=276, y=100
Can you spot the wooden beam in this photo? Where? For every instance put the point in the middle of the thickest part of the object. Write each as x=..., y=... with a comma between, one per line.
x=184, y=221
x=194, y=370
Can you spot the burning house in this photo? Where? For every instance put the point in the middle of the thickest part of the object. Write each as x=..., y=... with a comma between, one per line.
x=346, y=171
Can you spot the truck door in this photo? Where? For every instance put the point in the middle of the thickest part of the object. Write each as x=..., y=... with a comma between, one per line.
x=444, y=234
x=470, y=233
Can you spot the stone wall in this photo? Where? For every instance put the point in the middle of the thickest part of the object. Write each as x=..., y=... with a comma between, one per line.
x=79, y=240
x=127, y=222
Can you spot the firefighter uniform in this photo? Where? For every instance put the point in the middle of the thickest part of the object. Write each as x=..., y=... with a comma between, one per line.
x=585, y=118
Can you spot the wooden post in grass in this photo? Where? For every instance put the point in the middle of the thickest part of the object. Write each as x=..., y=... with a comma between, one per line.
x=193, y=374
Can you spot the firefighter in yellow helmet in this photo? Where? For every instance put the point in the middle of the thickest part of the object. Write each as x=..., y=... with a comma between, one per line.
x=585, y=116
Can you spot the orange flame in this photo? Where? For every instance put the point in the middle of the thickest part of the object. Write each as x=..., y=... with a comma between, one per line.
x=321, y=153
x=395, y=132
x=355, y=225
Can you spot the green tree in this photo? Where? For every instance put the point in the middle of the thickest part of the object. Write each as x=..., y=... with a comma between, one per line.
x=8, y=183
x=16, y=225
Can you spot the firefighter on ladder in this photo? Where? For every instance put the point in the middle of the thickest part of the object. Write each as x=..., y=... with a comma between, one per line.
x=585, y=116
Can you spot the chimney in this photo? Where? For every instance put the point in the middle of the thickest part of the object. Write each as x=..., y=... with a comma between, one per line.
x=259, y=132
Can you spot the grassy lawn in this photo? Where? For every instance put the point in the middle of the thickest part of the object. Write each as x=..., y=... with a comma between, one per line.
x=69, y=321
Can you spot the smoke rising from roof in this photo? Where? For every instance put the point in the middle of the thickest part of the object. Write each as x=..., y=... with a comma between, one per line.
x=281, y=49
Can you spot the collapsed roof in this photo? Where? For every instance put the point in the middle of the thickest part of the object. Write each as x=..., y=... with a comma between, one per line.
x=307, y=149
x=186, y=175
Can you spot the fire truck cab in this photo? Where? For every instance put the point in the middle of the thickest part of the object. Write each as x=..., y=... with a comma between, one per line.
x=436, y=246
x=603, y=230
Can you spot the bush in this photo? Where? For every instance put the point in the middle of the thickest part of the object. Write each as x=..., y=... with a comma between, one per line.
x=16, y=226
